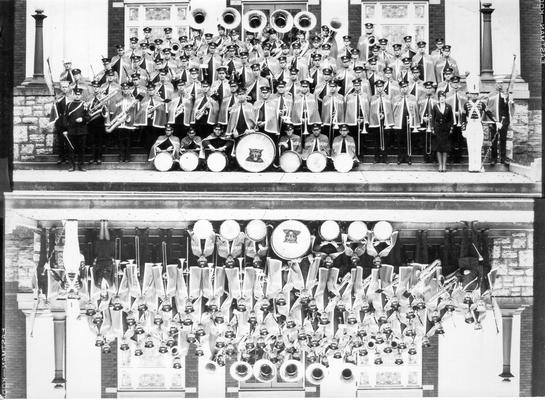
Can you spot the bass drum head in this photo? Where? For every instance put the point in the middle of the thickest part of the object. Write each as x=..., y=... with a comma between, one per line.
x=255, y=152
x=163, y=162
x=290, y=161
x=256, y=230
x=216, y=161
x=343, y=163
x=316, y=162
x=189, y=161
x=291, y=239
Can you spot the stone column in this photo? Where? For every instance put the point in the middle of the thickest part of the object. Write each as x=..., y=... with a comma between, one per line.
x=487, y=71
x=59, y=332
x=509, y=306
x=38, y=74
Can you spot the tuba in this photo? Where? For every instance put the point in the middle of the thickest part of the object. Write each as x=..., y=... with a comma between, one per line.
x=291, y=371
x=241, y=371
x=347, y=373
x=230, y=18
x=254, y=21
x=316, y=373
x=265, y=371
x=197, y=18
x=305, y=21
x=281, y=21
x=335, y=24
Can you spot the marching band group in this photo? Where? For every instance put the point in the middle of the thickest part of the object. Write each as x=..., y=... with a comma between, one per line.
x=191, y=98
x=265, y=298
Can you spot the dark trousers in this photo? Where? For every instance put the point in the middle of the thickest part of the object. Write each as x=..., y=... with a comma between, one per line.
x=77, y=154
x=124, y=143
x=180, y=130
x=501, y=136
x=203, y=129
x=353, y=131
x=381, y=145
x=404, y=144
x=150, y=134
x=61, y=143
x=457, y=142
x=97, y=134
x=423, y=145
x=330, y=132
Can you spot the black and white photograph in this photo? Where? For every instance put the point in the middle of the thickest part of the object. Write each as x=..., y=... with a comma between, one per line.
x=272, y=199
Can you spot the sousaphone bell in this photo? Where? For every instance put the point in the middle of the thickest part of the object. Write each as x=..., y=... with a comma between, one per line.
x=305, y=21
x=281, y=21
x=230, y=18
x=197, y=18
x=291, y=371
x=254, y=21
x=265, y=371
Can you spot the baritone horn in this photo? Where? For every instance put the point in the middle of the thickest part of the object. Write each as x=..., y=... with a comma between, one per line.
x=230, y=18
x=305, y=21
x=197, y=18
x=281, y=21
x=347, y=373
x=254, y=21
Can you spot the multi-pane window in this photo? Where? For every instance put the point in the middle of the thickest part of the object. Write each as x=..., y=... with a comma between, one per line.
x=395, y=19
x=157, y=16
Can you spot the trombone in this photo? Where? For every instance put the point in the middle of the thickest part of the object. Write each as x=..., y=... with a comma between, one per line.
x=409, y=137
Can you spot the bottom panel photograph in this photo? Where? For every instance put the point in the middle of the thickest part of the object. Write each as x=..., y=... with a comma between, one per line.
x=268, y=307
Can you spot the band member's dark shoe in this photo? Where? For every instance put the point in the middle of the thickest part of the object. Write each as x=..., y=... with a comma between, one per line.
x=61, y=161
x=409, y=161
x=360, y=159
x=72, y=168
x=398, y=160
x=504, y=161
x=98, y=162
x=80, y=168
x=493, y=163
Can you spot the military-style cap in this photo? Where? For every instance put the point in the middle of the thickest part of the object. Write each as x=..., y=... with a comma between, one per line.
x=144, y=45
x=166, y=50
x=355, y=52
x=204, y=82
x=316, y=57
x=212, y=45
x=243, y=54
x=168, y=29
x=78, y=90
x=147, y=29
x=208, y=35
x=397, y=46
x=379, y=83
x=105, y=60
x=406, y=60
x=193, y=70
x=347, y=37
x=150, y=85
x=133, y=39
x=294, y=70
x=415, y=69
x=265, y=89
x=407, y=38
x=369, y=25
x=120, y=46
x=375, y=47
x=266, y=46
x=327, y=71
x=255, y=66
x=332, y=83
x=136, y=57
x=447, y=47
x=95, y=83
x=345, y=58
x=163, y=71
x=184, y=57
x=231, y=47
x=234, y=32
x=304, y=82
x=284, y=45
x=326, y=46
x=325, y=27
x=241, y=91
x=429, y=85
x=125, y=86
x=282, y=58
x=359, y=68
x=383, y=41
x=76, y=71
x=110, y=72
x=158, y=41
x=316, y=38
x=136, y=75
x=403, y=84
x=280, y=83
x=439, y=40
x=221, y=68
x=372, y=61
x=296, y=45
x=455, y=79
x=356, y=81
x=387, y=70
x=314, y=126
x=421, y=43
x=448, y=70
x=182, y=38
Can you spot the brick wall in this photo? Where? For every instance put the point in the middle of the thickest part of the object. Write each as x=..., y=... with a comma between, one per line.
x=525, y=133
x=436, y=23
x=354, y=22
x=513, y=256
x=7, y=18
x=192, y=372
x=19, y=43
x=31, y=132
x=108, y=372
x=430, y=367
x=526, y=338
x=21, y=257
x=13, y=345
x=530, y=43
x=316, y=9
x=116, y=27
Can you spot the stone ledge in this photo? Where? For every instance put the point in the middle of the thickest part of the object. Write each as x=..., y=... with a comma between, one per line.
x=532, y=172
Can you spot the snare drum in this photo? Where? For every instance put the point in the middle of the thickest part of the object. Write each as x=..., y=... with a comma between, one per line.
x=343, y=162
x=216, y=161
x=291, y=239
x=163, y=162
x=189, y=161
x=316, y=162
x=255, y=152
x=290, y=161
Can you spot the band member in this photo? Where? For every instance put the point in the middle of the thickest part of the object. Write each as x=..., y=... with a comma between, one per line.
x=456, y=99
x=166, y=143
x=241, y=116
x=293, y=86
x=165, y=90
x=179, y=112
x=328, y=61
x=408, y=49
x=168, y=64
x=268, y=61
x=472, y=128
x=346, y=48
x=501, y=107
x=120, y=63
x=183, y=74
x=442, y=120
x=101, y=76
x=372, y=76
x=57, y=118
x=285, y=104
x=228, y=102
x=383, y=55
x=375, y=55
x=193, y=86
x=444, y=62
x=211, y=62
x=218, y=141
x=298, y=61
x=396, y=62
x=95, y=125
x=406, y=119
x=244, y=74
x=344, y=144
x=66, y=75
x=316, y=142
x=283, y=70
x=80, y=82
x=289, y=141
x=220, y=87
x=332, y=111
x=305, y=109
x=425, y=107
x=345, y=75
x=124, y=121
x=381, y=120
x=446, y=84
x=147, y=35
x=256, y=83
x=320, y=91
x=367, y=40
x=436, y=53
x=405, y=71
x=391, y=86
x=357, y=114
x=205, y=111
x=76, y=119
x=315, y=73
x=192, y=142
x=267, y=114
x=134, y=48
x=416, y=85
x=151, y=115
x=424, y=62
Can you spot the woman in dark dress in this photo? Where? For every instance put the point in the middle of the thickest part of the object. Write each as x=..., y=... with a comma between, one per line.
x=442, y=120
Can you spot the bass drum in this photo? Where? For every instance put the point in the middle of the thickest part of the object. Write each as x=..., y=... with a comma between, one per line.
x=163, y=162
x=189, y=161
x=291, y=239
x=290, y=161
x=216, y=161
x=255, y=152
x=343, y=162
x=316, y=162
